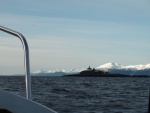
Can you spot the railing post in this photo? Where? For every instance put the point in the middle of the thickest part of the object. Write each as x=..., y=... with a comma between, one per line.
x=26, y=58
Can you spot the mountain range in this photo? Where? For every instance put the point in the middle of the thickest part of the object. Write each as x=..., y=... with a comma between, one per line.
x=113, y=68
x=56, y=72
x=116, y=68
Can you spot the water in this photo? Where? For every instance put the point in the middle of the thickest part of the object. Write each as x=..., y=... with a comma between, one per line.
x=85, y=94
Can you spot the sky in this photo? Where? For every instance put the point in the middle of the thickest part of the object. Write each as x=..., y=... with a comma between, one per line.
x=74, y=34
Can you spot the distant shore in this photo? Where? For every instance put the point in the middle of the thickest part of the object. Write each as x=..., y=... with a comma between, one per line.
x=98, y=73
x=112, y=75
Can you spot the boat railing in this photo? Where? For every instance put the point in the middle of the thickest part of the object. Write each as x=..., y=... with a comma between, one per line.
x=26, y=58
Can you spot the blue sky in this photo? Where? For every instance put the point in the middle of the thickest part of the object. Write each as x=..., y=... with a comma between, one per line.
x=68, y=34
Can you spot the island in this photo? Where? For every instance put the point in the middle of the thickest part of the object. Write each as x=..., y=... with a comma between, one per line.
x=92, y=72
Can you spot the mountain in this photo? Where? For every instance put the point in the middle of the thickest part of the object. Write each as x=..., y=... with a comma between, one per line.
x=113, y=68
x=110, y=66
x=116, y=68
x=49, y=74
x=56, y=72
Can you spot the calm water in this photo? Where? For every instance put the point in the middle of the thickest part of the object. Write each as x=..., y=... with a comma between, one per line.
x=85, y=94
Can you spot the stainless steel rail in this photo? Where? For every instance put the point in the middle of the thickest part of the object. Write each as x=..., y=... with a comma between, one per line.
x=26, y=58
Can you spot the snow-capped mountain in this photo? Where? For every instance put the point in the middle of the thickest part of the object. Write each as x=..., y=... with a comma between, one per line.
x=138, y=67
x=113, y=68
x=110, y=66
x=130, y=70
x=56, y=72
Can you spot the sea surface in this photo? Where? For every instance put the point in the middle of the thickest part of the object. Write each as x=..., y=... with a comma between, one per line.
x=85, y=94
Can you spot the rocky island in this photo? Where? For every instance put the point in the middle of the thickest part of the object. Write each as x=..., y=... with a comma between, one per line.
x=92, y=72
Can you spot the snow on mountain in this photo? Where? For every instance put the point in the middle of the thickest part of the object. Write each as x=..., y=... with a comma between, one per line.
x=130, y=70
x=138, y=67
x=39, y=71
x=65, y=70
x=56, y=72
x=110, y=66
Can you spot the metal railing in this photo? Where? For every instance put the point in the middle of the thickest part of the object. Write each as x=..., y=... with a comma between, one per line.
x=26, y=58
